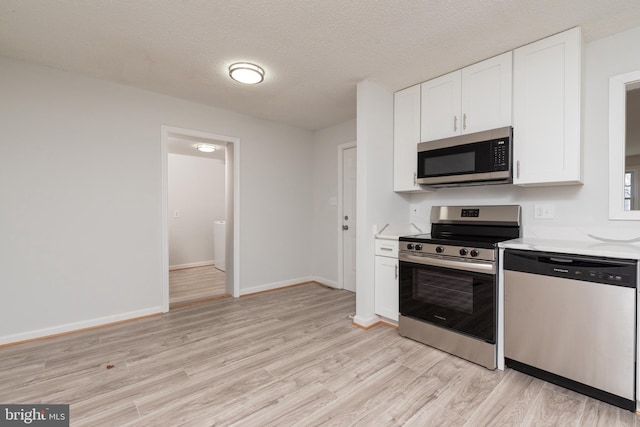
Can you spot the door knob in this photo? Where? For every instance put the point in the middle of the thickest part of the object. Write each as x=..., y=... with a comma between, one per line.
x=345, y=227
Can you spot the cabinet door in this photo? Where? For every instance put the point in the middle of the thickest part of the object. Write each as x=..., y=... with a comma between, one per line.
x=486, y=94
x=406, y=136
x=546, y=111
x=440, y=115
x=386, y=287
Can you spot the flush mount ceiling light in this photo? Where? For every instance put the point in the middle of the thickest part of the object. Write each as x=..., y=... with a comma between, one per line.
x=245, y=72
x=206, y=148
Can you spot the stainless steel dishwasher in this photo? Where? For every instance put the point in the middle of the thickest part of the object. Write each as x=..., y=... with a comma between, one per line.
x=571, y=320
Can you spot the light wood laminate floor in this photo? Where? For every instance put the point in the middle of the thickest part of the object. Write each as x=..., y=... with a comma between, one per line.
x=189, y=285
x=284, y=358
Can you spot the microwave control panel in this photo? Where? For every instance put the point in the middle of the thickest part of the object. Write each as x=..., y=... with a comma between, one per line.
x=500, y=150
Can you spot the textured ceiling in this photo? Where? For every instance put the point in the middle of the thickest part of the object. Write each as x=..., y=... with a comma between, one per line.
x=314, y=51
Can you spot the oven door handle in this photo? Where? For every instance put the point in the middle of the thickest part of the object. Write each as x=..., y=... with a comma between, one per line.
x=474, y=267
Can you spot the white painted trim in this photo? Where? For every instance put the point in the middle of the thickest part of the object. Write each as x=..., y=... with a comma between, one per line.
x=366, y=322
x=500, y=308
x=76, y=326
x=617, y=126
x=341, y=149
x=277, y=285
x=165, y=131
x=192, y=265
x=164, y=216
x=236, y=216
x=326, y=282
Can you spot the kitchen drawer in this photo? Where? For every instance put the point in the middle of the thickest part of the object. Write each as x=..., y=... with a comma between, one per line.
x=388, y=248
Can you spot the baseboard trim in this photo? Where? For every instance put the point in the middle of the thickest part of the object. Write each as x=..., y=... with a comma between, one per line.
x=69, y=328
x=276, y=285
x=366, y=322
x=379, y=322
x=388, y=324
x=326, y=282
x=192, y=265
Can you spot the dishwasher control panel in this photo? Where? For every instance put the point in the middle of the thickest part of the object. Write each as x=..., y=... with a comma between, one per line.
x=609, y=271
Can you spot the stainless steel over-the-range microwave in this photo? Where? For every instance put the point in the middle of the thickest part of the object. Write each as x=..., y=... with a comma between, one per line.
x=471, y=159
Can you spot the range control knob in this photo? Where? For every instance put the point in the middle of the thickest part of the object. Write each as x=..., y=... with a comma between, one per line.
x=409, y=246
x=474, y=253
x=463, y=251
x=439, y=249
x=418, y=247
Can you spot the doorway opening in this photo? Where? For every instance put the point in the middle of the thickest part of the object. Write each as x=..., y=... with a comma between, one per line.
x=199, y=217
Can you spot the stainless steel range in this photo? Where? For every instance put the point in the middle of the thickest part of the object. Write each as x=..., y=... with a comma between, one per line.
x=448, y=280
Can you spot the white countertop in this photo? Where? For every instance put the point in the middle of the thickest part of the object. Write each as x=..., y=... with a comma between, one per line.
x=593, y=247
x=394, y=231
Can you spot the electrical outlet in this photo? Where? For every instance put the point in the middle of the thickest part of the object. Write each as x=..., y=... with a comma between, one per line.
x=544, y=211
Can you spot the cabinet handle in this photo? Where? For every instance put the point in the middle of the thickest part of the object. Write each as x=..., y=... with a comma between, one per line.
x=386, y=248
x=455, y=123
x=464, y=121
x=518, y=169
x=415, y=177
x=396, y=271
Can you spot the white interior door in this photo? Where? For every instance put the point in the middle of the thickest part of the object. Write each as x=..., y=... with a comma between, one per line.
x=348, y=218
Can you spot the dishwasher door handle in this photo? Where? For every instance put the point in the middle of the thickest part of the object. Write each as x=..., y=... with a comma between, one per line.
x=560, y=260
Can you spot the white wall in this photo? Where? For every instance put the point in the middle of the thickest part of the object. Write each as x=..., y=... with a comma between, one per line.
x=579, y=210
x=325, y=186
x=377, y=203
x=80, y=184
x=196, y=189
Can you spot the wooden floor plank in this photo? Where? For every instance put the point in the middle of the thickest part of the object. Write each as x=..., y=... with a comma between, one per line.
x=194, y=284
x=599, y=414
x=288, y=357
x=555, y=408
x=508, y=403
x=465, y=396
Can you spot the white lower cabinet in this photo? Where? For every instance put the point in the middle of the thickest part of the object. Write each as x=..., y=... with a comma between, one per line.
x=386, y=279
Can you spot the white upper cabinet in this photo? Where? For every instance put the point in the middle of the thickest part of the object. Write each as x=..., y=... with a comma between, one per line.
x=473, y=99
x=486, y=94
x=440, y=113
x=406, y=136
x=546, y=111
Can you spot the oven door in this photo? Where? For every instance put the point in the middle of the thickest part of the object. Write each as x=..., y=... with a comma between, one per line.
x=456, y=295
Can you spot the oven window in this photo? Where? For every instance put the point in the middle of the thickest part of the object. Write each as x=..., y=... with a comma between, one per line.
x=452, y=163
x=446, y=290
